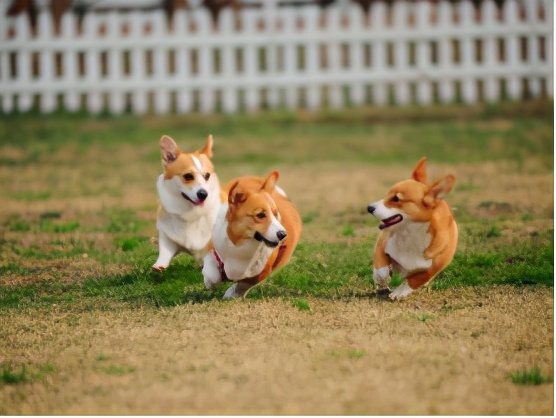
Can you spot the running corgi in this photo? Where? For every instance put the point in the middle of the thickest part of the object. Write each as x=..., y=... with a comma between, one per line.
x=255, y=233
x=190, y=197
x=419, y=234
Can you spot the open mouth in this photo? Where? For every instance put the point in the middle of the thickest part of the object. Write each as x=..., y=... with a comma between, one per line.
x=259, y=237
x=392, y=220
x=196, y=203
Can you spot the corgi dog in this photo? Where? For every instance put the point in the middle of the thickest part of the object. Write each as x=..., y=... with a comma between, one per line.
x=419, y=234
x=190, y=196
x=255, y=233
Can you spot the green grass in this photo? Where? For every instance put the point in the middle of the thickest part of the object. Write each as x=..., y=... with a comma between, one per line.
x=356, y=354
x=53, y=241
x=301, y=304
x=424, y=317
x=122, y=220
x=317, y=270
x=11, y=374
x=117, y=370
x=444, y=134
x=530, y=377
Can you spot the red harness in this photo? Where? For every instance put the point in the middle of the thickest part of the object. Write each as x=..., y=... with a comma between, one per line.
x=220, y=266
x=220, y=262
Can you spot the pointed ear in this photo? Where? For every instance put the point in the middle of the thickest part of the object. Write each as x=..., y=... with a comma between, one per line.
x=236, y=195
x=438, y=190
x=420, y=171
x=270, y=182
x=207, y=149
x=169, y=149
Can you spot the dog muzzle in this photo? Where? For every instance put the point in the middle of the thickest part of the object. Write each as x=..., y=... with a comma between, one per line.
x=281, y=235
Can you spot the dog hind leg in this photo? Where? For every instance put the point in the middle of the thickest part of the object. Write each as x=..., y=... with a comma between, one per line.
x=239, y=289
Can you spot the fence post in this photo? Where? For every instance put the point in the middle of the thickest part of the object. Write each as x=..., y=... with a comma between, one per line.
x=228, y=66
x=446, y=84
x=511, y=14
x=45, y=30
x=160, y=62
x=378, y=19
x=468, y=88
x=23, y=60
x=491, y=87
x=549, y=45
x=184, y=102
x=69, y=63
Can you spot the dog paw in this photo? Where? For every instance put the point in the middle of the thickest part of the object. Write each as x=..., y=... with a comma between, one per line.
x=211, y=273
x=158, y=269
x=211, y=283
x=401, y=292
x=231, y=292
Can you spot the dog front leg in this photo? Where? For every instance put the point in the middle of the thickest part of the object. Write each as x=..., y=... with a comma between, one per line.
x=167, y=249
x=401, y=292
x=211, y=271
x=382, y=267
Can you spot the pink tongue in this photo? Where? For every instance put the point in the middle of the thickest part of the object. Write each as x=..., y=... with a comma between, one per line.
x=390, y=221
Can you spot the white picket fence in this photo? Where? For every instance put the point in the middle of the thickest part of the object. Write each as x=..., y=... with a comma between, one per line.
x=279, y=57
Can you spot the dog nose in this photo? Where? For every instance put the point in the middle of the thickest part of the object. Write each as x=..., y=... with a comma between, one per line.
x=202, y=195
x=281, y=235
x=371, y=209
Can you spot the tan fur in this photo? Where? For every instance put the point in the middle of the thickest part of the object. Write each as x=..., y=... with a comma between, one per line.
x=419, y=203
x=289, y=217
x=254, y=235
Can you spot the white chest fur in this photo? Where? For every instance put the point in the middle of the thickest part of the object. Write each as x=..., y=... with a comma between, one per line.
x=406, y=246
x=188, y=226
x=240, y=261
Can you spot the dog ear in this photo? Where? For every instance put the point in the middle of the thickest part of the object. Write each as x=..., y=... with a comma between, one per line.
x=169, y=150
x=420, y=171
x=236, y=194
x=438, y=190
x=270, y=182
x=207, y=149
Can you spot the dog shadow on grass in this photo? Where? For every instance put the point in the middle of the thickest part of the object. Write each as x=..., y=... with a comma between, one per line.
x=178, y=286
x=182, y=284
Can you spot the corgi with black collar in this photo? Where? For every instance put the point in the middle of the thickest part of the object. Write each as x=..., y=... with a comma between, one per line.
x=418, y=236
x=190, y=196
x=255, y=234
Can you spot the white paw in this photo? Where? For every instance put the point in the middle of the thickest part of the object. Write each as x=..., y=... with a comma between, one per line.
x=382, y=277
x=231, y=293
x=158, y=269
x=211, y=273
x=401, y=292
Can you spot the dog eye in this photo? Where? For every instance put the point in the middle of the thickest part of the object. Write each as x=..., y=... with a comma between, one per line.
x=206, y=176
x=189, y=177
x=261, y=215
x=395, y=199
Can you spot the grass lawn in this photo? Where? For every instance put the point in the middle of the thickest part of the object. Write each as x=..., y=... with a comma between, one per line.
x=76, y=291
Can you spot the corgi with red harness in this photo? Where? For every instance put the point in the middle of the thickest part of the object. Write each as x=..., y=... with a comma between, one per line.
x=418, y=236
x=255, y=234
x=190, y=196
